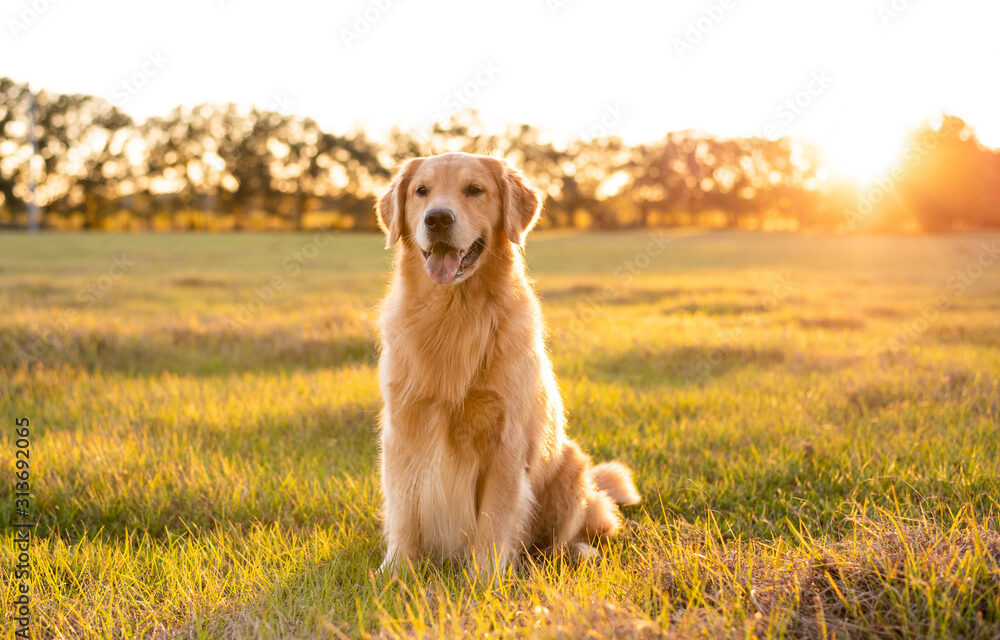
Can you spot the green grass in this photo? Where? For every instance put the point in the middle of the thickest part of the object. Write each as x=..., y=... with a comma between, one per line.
x=813, y=423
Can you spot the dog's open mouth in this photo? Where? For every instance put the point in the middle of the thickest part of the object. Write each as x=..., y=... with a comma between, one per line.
x=445, y=262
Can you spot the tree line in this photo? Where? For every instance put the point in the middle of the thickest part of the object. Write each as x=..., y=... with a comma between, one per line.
x=77, y=161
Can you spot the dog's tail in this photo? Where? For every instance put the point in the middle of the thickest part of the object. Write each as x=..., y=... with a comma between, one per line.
x=615, y=479
x=609, y=485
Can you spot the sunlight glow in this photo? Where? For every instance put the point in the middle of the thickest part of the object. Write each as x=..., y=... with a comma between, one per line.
x=863, y=158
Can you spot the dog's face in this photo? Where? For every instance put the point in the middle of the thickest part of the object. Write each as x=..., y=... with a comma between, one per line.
x=453, y=208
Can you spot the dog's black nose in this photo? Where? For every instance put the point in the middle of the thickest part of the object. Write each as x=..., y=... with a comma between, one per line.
x=439, y=219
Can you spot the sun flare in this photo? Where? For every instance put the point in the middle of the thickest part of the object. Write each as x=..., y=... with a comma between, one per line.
x=863, y=156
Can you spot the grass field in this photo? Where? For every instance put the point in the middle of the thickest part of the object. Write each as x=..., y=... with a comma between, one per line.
x=813, y=422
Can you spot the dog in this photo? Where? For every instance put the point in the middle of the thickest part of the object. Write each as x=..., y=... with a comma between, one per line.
x=475, y=462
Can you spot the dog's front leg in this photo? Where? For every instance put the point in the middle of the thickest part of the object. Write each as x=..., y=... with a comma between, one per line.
x=400, y=519
x=504, y=500
x=400, y=538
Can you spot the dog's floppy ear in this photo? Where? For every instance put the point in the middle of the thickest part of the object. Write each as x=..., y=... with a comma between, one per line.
x=393, y=203
x=520, y=205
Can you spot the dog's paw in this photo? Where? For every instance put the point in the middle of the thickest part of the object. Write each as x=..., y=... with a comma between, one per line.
x=389, y=568
x=581, y=552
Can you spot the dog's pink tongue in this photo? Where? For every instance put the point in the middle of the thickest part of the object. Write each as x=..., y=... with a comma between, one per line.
x=442, y=266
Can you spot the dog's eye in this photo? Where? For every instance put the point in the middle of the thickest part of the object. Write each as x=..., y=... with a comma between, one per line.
x=473, y=190
x=421, y=190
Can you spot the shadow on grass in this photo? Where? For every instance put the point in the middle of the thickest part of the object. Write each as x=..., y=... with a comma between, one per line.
x=182, y=350
x=889, y=577
x=617, y=296
x=295, y=469
x=815, y=490
x=850, y=583
x=980, y=335
x=197, y=281
x=831, y=323
x=939, y=385
x=624, y=296
x=316, y=599
x=681, y=366
x=716, y=309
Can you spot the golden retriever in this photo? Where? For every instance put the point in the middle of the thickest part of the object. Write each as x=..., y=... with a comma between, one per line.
x=475, y=461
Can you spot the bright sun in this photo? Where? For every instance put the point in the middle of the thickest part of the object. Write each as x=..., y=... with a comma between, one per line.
x=862, y=157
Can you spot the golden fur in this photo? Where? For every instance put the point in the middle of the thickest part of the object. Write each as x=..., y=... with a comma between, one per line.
x=475, y=461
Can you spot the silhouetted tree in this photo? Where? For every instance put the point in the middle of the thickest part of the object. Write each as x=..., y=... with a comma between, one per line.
x=222, y=165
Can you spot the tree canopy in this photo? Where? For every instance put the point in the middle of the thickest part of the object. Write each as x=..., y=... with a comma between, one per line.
x=86, y=164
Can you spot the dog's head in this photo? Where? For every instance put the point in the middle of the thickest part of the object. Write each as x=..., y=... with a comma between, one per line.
x=455, y=207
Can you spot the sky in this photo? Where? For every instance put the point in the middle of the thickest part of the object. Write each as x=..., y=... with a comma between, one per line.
x=851, y=76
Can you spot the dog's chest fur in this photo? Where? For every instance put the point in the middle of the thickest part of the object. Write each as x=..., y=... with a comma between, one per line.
x=442, y=420
x=440, y=468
